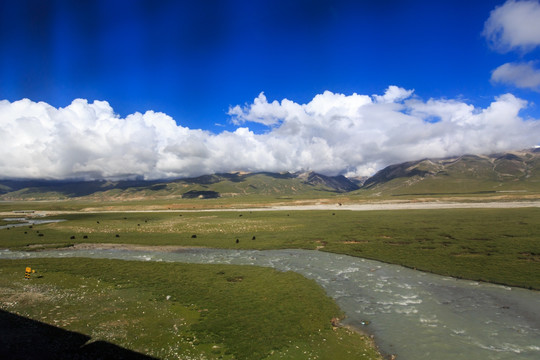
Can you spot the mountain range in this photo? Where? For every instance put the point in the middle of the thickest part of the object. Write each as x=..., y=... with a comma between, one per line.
x=516, y=171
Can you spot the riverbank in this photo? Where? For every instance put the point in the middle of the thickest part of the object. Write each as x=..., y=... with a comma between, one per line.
x=416, y=315
x=172, y=310
x=134, y=247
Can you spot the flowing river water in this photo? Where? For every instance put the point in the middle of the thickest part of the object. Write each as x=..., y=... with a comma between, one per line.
x=412, y=314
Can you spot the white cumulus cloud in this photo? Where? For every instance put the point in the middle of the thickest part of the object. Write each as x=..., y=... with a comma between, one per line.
x=522, y=75
x=514, y=26
x=393, y=94
x=332, y=134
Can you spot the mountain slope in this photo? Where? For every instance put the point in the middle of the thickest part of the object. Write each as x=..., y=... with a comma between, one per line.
x=512, y=171
x=206, y=186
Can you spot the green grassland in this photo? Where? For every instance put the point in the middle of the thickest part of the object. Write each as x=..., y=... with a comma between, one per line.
x=173, y=203
x=495, y=245
x=186, y=311
x=219, y=311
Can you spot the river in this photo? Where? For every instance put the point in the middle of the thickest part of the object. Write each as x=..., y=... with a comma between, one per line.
x=412, y=314
x=18, y=222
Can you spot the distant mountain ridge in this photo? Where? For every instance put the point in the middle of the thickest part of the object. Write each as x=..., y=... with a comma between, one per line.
x=205, y=186
x=515, y=171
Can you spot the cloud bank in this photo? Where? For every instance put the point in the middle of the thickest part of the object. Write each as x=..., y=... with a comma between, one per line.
x=332, y=134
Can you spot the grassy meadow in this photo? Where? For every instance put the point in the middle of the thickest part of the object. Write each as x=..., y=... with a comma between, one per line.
x=242, y=312
x=495, y=245
x=185, y=311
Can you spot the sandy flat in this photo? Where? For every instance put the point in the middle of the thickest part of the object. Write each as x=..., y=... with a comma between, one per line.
x=411, y=205
x=351, y=207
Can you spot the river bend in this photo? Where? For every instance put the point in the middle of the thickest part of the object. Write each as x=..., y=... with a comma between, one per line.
x=412, y=314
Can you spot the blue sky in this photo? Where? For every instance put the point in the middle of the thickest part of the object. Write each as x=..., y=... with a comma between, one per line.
x=196, y=60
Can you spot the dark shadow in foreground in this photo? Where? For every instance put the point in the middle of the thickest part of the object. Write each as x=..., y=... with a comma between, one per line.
x=23, y=338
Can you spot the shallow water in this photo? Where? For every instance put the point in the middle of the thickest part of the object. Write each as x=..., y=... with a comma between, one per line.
x=412, y=314
x=26, y=222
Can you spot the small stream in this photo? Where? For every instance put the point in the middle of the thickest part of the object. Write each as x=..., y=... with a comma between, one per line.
x=18, y=222
x=412, y=314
